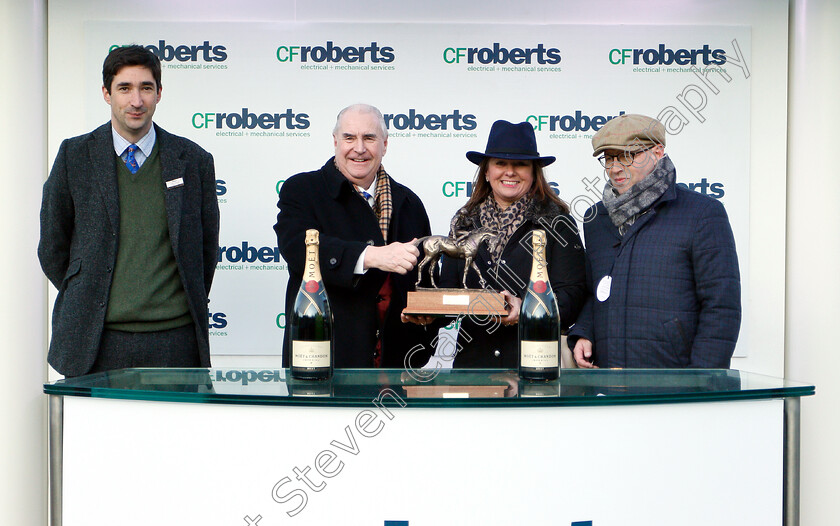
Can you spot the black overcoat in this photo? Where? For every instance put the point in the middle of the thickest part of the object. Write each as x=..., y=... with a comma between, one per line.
x=484, y=342
x=326, y=201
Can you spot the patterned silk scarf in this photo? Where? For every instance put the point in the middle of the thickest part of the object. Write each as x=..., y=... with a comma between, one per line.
x=503, y=221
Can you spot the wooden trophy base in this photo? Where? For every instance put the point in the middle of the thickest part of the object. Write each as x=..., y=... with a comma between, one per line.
x=456, y=391
x=455, y=302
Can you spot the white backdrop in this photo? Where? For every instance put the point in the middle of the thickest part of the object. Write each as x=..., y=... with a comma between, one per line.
x=262, y=97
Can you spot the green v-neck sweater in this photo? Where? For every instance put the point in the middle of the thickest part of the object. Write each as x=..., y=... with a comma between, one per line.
x=146, y=292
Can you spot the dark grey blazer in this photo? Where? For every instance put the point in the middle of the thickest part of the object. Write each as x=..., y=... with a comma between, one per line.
x=80, y=224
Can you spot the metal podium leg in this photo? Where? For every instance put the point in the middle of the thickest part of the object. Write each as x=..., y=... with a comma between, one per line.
x=790, y=501
x=56, y=457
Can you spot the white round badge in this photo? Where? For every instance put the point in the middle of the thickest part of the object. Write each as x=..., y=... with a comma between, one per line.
x=603, y=291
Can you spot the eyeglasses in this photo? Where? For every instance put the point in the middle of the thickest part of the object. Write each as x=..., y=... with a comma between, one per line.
x=625, y=159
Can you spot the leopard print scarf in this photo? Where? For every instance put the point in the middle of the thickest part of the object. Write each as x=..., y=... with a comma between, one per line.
x=503, y=222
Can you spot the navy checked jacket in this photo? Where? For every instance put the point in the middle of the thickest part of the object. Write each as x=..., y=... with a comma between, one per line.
x=675, y=299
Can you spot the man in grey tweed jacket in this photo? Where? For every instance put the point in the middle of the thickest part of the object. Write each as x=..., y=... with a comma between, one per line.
x=129, y=235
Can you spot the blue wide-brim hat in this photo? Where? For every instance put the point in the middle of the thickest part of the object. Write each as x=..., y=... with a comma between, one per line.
x=511, y=141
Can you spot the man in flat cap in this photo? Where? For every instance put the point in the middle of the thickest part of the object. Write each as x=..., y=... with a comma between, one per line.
x=661, y=262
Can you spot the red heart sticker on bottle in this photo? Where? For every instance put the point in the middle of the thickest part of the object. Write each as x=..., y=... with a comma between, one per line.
x=540, y=287
x=311, y=286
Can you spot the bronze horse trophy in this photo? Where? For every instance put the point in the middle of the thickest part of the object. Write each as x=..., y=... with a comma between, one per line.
x=465, y=247
x=454, y=302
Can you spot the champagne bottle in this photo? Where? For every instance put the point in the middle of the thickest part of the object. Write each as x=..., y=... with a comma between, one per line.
x=311, y=323
x=539, y=321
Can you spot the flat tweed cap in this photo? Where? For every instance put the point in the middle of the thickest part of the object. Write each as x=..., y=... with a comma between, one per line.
x=630, y=132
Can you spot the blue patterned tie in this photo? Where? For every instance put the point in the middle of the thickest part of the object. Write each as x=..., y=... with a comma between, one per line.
x=130, y=161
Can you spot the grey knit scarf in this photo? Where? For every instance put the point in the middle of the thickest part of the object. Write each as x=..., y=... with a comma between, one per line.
x=625, y=208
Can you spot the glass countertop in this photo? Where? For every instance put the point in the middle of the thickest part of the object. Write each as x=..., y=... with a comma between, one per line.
x=430, y=388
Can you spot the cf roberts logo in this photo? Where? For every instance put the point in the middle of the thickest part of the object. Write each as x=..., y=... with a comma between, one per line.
x=248, y=254
x=185, y=53
x=457, y=189
x=576, y=122
x=333, y=53
x=246, y=119
x=465, y=188
x=221, y=191
x=414, y=120
x=714, y=189
x=217, y=320
x=498, y=54
x=667, y=56
x=248, y=376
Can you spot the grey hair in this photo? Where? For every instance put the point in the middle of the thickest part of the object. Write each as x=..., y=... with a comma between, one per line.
x=363, y=108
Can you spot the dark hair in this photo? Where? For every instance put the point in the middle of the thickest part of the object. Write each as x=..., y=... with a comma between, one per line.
x=540, y=190
x=133, y=55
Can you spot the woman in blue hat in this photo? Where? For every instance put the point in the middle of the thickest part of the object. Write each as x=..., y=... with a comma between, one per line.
x=512, y=197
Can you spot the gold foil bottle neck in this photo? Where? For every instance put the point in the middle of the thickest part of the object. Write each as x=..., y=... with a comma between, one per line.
x=312, y=271
x=538, y=270
x=538, y=240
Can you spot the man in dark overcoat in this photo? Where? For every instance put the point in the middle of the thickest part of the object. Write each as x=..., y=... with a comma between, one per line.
x=661, y=262
x=367, y=222
x=130, y=234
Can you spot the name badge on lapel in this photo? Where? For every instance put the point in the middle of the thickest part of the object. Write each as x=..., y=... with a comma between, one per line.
x=602, y=292
x=174, y=183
